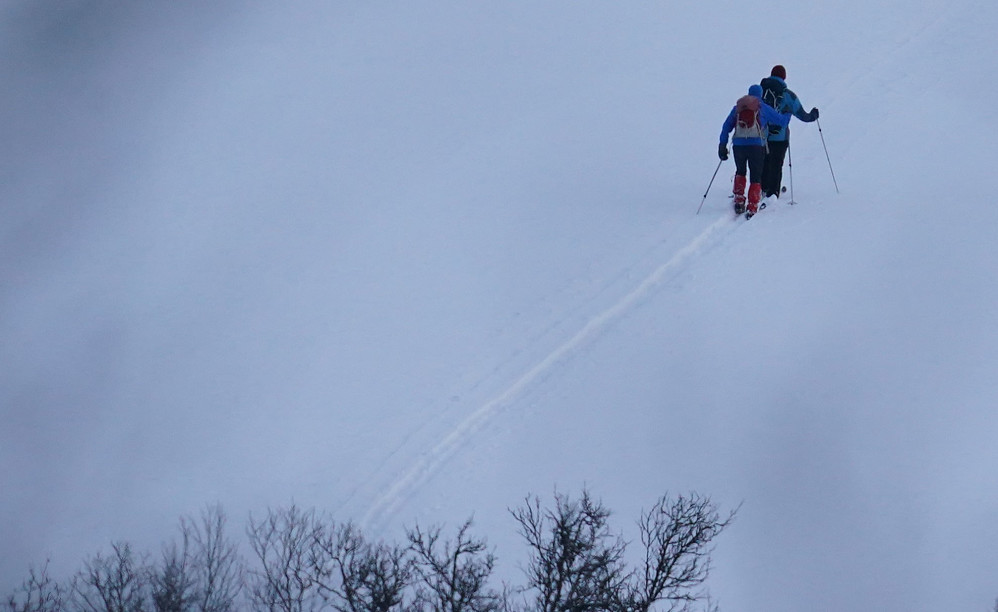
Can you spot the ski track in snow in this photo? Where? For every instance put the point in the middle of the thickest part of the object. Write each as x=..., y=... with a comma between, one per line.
x=422, y=469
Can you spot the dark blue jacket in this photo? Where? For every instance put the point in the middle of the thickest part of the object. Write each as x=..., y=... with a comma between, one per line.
x=790, y=104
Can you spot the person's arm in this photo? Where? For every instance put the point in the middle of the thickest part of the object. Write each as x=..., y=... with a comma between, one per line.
x=729, y=124
x=798, y=110
x=771, y=116
x=810, y=116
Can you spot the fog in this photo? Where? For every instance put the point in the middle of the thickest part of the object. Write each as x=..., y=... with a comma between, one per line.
x=415, y=261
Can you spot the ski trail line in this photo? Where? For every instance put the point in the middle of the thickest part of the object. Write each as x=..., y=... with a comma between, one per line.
x=430, y=461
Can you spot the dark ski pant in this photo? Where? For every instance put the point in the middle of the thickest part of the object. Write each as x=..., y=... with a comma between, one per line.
x=749, y=159
x=772, y=169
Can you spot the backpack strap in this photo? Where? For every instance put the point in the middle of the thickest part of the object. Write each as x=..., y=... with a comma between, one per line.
x=772, y=92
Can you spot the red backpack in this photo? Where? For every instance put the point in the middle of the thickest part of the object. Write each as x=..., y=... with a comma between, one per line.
x=747, y=115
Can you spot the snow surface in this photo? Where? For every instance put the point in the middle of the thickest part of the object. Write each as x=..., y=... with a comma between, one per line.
x=414, y=261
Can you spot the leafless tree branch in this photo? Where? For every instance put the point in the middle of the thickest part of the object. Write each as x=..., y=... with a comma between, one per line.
x=453, y=576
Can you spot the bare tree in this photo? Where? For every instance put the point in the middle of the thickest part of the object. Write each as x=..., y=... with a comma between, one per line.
x=453, y=576
x=677, y=536
x=203, y=573
x=38, y=593
x=172, y=583
x=357, y=576
x=306, y=562
x=286, y=546
x=113, y=583
x=575, y=564
x=218, y=568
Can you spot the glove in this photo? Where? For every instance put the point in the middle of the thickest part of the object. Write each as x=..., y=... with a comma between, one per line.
x=814, y=113
x=722, y=151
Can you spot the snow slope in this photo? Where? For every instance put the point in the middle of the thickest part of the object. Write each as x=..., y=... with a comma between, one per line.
x=414, y=262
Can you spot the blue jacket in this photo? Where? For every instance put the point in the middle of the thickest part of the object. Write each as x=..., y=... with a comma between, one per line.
x=790, y=104
x=767, y=115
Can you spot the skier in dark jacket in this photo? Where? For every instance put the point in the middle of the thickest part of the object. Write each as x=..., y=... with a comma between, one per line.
x=776, y=94
x=751, y=119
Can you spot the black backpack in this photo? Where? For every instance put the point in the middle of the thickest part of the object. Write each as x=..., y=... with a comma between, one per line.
x=772, y=94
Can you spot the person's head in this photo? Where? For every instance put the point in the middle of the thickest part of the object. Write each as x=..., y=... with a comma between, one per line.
x=779, y=71
x=755, y=90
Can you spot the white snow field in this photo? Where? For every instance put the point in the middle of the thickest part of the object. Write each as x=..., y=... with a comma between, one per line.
x=413, y=261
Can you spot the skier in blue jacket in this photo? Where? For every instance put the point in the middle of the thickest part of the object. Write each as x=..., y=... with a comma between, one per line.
x=776, y=94
x=750, y=119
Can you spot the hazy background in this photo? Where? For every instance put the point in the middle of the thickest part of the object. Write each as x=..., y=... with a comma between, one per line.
x=412, y=261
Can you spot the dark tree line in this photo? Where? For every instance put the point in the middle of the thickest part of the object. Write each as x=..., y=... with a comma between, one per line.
x=577, y=563
x=202, y=572
x=303, y=561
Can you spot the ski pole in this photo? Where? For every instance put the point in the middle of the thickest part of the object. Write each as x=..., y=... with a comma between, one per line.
x=822, y=134
x=790, y=163
x=708, y=185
